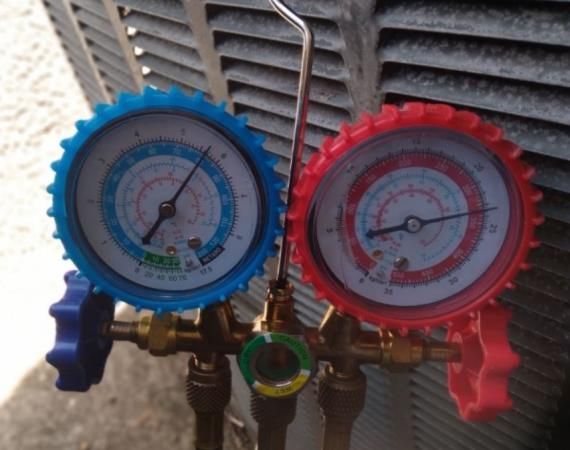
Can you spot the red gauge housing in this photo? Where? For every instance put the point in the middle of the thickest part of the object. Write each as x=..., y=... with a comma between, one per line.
x=447, y=309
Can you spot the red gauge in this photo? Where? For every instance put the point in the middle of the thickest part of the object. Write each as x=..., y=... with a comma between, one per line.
x=414, y=217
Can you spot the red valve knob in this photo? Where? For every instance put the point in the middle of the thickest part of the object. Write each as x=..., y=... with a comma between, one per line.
x=479, y=383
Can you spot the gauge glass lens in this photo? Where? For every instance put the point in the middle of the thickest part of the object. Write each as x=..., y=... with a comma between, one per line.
x=166, y=201
x=413, y=217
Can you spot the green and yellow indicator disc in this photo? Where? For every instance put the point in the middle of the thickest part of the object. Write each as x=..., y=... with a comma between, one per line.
x=276, y=365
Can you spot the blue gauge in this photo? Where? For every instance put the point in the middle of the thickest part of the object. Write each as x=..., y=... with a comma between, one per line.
x=166, y=202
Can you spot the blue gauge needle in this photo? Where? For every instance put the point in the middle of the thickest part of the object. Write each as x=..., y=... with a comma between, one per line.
x=167, y=209
x=413, y=224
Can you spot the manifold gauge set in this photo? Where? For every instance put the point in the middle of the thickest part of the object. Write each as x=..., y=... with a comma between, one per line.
x=413, y=218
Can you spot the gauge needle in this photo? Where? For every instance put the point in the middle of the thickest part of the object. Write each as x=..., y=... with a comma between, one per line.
x=413, y=224
x=167, y=209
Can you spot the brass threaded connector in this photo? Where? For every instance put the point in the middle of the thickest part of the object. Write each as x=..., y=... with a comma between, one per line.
x=208, y=391
x=274, y=411
x=341, y=397
x=273, y=416
x=121, y=331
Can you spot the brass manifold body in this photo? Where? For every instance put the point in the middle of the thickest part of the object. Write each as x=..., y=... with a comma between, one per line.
x=340, y=341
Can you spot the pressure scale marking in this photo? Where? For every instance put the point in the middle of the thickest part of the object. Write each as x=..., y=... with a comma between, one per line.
x=166, y=201
x=143, y=177
x=427, y=207
x=414, y=217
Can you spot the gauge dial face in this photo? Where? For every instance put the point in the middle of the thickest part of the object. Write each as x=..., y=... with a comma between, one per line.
x=165, y=202
x=413, y=217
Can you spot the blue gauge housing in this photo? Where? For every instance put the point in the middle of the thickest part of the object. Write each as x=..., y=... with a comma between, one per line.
x=106, y=279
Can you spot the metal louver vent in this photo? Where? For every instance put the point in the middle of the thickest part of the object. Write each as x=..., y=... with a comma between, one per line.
x=91, y=35
x=260, y=59
x=71, y=40
x=102, y=43
x=508, y=61
x=164, y=44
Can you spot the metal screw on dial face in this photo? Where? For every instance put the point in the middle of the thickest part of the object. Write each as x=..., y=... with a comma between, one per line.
x=194, y=242
x=413, y=224
x=401, y=263
x=167, y=210
x=378, y=254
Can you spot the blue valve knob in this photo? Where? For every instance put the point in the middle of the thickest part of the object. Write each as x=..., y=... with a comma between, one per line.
x=80, y=349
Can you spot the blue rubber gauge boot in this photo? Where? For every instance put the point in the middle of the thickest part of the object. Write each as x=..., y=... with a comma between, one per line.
x=166, y=201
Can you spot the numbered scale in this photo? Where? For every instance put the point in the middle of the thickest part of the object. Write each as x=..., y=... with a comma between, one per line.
x=166, y=201
x=415, y=217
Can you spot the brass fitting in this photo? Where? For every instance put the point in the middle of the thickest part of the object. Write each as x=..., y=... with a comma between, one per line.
x=278, y=311
x=277, y=362
x=341, y=398
x=274, y=408
x=215, y=330
x=340, y=338
x=208, y=391
x=401, y=353
x=158, y=334
x=341, y=341
x=273, y=417
x=342, y=386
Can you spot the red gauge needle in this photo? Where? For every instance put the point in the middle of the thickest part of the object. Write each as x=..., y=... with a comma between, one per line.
x=413, y=224
x=167, y=209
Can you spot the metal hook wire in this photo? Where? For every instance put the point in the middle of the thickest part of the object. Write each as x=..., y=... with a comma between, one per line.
x=298, y=143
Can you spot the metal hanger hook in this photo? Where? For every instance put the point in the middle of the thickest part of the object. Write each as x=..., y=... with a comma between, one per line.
x=298, y=143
